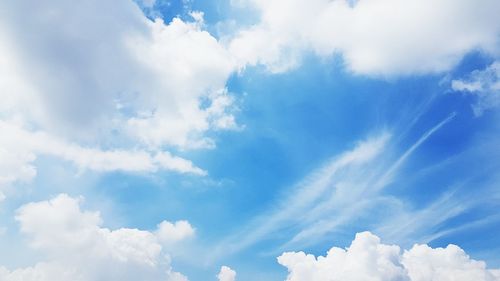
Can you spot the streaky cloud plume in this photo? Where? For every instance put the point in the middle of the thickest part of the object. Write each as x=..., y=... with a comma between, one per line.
x=19, y=149
x=226, y=274
x=348, y=187
x=308, y=192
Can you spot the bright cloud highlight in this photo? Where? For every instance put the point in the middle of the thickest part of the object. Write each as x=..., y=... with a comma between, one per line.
x=378, y=38
x=77, y=247
x=368, y=259
x=226, y=274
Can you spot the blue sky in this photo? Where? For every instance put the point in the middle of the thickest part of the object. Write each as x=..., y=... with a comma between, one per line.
x=161, y=140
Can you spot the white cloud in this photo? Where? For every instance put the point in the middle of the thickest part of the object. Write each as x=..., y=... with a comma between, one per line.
x=102, y=73
x=77, y=247
x=85, y=70
x=484, y=84
x=173, y=232
x=19, y=149
x=226, y=274
x=381, y=37
x=368, y=259
x=189, y=64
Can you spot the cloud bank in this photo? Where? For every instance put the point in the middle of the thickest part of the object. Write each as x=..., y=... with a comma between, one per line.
x=377, y=38
x=75, y=78
x=83, y=70
x=77, y=247
x=368, y=259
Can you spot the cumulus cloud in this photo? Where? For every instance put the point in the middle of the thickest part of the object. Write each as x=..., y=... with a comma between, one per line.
x=102, y=72
x=103, y=65
x=172, y=232
x=368, y=259
x=381, y=38
x=226, y=274
x=484, y=85
x=77, y=247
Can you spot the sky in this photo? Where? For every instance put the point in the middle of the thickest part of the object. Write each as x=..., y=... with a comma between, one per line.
x=248, y=140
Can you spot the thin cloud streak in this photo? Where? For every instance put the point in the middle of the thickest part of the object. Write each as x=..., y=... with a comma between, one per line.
x=350, y=206
x=345, y=188
x=303, y=195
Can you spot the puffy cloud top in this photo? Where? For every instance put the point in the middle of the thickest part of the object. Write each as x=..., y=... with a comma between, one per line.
x=172, y=232
x=226, y=274
x=368, y=259
x=375, y=37
x=77, y=247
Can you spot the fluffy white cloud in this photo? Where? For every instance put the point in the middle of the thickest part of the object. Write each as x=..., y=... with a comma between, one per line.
x=367, y=259
x=226, y=274
x=381, y=37
x=102, y=65
x=484, y=84
x=172, y=232
x=77, y=247
x=101, y=72
x=189, y=65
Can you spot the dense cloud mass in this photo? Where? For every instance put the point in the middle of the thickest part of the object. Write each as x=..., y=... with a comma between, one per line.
x=368, y=259
x=101, y=73
x=103, y=65
x=379, y=38
x=78, y=248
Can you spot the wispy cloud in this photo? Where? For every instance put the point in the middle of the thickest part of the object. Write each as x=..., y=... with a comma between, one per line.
x=344, y=189
x=19, y=148
x=484, y=85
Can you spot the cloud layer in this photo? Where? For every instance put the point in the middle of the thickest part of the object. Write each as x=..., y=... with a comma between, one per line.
x=19, y=149
x=77, y=247
x=75, y=78
x=380, y=38
x=368, y=259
